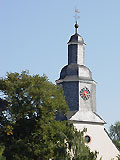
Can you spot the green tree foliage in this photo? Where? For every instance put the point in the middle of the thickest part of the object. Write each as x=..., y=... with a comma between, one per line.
x=118, y=157
x=1, y=152
x=114, y=133
x=28, y=126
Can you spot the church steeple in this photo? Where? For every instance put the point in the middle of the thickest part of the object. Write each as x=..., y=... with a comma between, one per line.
x=76, y=79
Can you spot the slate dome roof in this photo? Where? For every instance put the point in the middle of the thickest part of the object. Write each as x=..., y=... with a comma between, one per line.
x=76, y=38
x=80, y=71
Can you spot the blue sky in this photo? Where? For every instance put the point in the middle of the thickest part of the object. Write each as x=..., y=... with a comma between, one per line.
x=34, y=36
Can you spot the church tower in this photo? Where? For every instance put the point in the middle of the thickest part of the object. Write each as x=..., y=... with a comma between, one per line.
x=76, y=80
x=80, y=93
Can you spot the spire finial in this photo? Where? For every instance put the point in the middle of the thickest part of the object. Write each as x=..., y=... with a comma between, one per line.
x=76, y=27
x=76, y=19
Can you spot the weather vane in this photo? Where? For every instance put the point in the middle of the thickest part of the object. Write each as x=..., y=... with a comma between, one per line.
x=76, y=19
x=76, y=16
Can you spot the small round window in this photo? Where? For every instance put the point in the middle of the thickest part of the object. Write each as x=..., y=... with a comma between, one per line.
x=87, y=139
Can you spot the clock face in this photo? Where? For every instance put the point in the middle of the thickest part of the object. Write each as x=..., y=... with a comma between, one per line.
x=85, y=93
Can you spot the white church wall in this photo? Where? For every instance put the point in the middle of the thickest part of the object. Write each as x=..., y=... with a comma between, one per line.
x=100, y=141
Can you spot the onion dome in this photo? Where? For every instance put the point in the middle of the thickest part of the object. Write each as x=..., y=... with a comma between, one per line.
x=80, y=71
